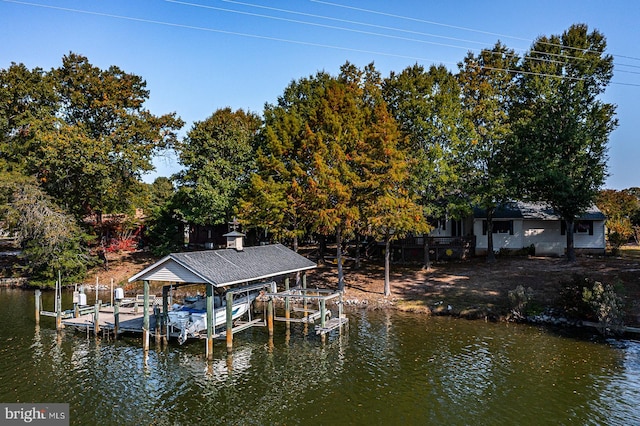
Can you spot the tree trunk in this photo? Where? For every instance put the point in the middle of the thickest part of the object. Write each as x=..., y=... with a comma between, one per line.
x=339, y=258
x=295, y=243
x=571, y=251
x=387, y=257
x=427, y=258
x=322, y=247
x=491, y=256
x=357, y=250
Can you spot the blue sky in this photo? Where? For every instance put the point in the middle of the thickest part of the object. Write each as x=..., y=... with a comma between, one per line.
x=201, y=55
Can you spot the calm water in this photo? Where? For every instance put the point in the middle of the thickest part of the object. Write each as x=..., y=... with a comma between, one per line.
x=387, y=369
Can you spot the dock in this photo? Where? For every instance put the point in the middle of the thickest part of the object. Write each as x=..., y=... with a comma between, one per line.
x=238, y=274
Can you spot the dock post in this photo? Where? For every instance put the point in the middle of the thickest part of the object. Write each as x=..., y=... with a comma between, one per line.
x=211, y=323
x=96, y=320
x=323, y=311
x=304, y=286
x=270, y=316
x=145, y=318
x=116, y=319
x=165, y=314
x=287, y=308
x=38, y=296
x=229, y=322
x=158, y=323
x=340, y=312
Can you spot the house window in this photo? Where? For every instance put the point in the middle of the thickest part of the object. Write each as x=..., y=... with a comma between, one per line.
x=584, y=227
x=499, y=227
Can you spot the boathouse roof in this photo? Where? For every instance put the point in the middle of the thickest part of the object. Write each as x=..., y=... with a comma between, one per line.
x=225, y=267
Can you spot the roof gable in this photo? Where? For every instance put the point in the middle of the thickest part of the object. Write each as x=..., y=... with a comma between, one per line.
x=226, y=267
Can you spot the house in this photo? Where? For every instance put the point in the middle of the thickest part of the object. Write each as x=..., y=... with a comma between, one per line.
x=518, y=225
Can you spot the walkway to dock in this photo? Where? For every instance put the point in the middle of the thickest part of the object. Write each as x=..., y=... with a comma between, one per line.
x=129, y=320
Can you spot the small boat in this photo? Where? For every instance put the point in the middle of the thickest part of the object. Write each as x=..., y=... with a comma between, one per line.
x=191, y=317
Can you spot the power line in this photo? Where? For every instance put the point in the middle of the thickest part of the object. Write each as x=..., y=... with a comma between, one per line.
x=333, y=27
x=540, y=59
x=277, y=39
x=424, y=21
x=348, y=21
x=408, y=18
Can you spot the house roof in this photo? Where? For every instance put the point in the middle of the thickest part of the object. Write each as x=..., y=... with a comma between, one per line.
x=534, y=211
x=225, y=267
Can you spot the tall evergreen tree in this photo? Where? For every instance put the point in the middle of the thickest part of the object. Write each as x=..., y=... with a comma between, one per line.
x=389, y=208
x=426, y=104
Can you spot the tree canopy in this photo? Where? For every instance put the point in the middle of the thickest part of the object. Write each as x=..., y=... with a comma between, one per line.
x=80, y=139
x=218, y=156
x=562, y=129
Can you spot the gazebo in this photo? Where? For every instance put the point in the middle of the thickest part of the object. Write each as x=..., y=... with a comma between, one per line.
x=234, y=266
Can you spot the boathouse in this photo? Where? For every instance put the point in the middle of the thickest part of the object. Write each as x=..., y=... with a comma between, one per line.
x=236, y=266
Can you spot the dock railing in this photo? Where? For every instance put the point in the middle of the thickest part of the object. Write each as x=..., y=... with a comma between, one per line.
x=440, y=247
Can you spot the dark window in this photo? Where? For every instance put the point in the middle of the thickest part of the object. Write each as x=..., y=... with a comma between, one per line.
x=579, y=227
x=499, y=227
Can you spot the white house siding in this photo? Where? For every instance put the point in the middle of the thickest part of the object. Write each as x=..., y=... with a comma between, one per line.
x=500, y=241
x=595, y=243
x=546, y=237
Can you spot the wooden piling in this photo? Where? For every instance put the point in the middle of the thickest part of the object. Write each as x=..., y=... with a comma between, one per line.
x=116, y=319
x=229, y=322
x=210, y=322
x=323, y=312
x=145, y=318
x=158, y=324
x=58, y=303
x=287, y=308
x=96, y=320
x=165, y=315
x=270, y=316
x=38, y=297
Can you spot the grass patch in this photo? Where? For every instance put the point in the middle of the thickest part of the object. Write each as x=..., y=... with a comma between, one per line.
x=413, y=306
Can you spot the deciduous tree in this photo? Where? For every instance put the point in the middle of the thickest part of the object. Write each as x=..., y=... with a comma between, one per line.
x=218, y=156
x=487, y=84
x=562, y=129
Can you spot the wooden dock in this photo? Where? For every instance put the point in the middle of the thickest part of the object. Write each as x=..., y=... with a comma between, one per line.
x=130, y=320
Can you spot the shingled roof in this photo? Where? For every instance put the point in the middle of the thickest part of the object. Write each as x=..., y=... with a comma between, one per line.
x=225, y=267
x=534, y=211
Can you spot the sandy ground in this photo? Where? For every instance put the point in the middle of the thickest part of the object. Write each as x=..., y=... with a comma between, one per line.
x=472, y=288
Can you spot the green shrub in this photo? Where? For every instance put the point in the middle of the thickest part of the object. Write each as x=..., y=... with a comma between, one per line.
x=519, y=298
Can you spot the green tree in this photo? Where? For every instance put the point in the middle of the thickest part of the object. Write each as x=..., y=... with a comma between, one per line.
x=562, y=127
x=83, y=132
x=277, y=199
x=218, y=156
x=27, y=101
x=426, y=104
x=487, y=84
